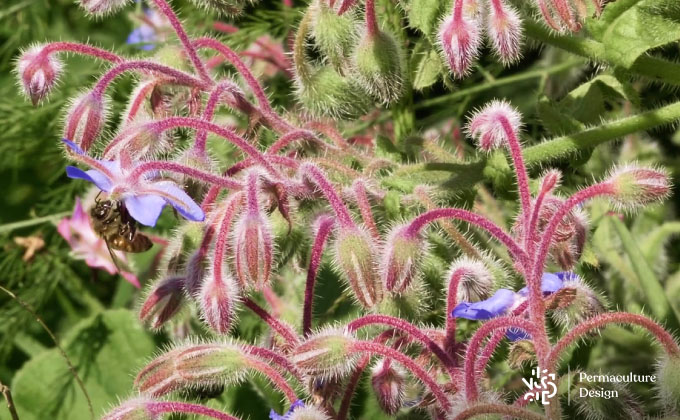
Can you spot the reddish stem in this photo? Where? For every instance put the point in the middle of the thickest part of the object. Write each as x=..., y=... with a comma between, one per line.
x=509, y=410
x=365, y=208
x=165, y=8
x=530, y=232
x=209, y=111
x=665, y=339
x=275, y=377
x=283, y=330
x=84, y=49
x=520, y=168
x=371, y=20
x=408, y=363
x=293, y=136
x=160, y=407
x=317, y=176
x=325, y=226
x=454, y=213
x=275, y=358
x=451, y=303
x=160, y=165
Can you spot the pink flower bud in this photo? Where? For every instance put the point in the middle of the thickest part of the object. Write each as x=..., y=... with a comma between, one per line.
x=85, y=119
x=164, y=300
x=190, y=366
x=574, y=303
x=217, y=299
x=476, y=281
x=253, y=245
x=326, y=354
x=140, y=139
x=38, y=73
x=401, y=258
x=355, y=259
x=488, y=125
x=635, y=186
x=388, y=380
x=504, y=28
x=460, y=39
x=102, y=7
x=134, y=409
x=195, y=272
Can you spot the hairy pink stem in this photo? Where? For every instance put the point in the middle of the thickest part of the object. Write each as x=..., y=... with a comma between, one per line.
x=275, y=377
x=547, y=15
x=410, y=329
x=665, y=339
x=231, y=207
x=283, y=330
x=475, y=342
x=209, y=111
x=509, y=410
x=84, y=49
x=564, y=10
x=275, y=120
x=178, y=76
x=319, y=179
x=161, y=407
x=325, y=227
x=190, y=50
x=458, y=12
x=159, y=165
x=520, y=168
x=139, y=99
x=530, y=232
x=293, y=136
x=495, y=340
x=451, y=303
x=329, y=131
x=365, y=208
x=371, y=20
x=275, y=358
x=408, y=363
x=480, y=221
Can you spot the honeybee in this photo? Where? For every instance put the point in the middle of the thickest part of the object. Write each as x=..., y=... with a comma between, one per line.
x=113, y=223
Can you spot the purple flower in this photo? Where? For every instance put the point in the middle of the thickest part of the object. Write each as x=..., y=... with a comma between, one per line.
x=504, y=300
x=150, y=32
x=297, y=404
x=144, y=198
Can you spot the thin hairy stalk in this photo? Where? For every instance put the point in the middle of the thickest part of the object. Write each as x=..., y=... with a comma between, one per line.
x=278, y=123
x=663, y=337
x=178, y=168
x=49, y=332
x=451, y=303
x=283, y=330
x=508, y=410
x=409, y=364
x=530, y=232
x=177, y=76
x=275, y=377
x=324, y=229
x=410, y=329
x=316, y=176
x=495, y=340
x=161, y=407
x=209, y=111
x=275, y=358
x=294, y=136
x=520, y=169
x=454, y=213
x=371, y=20
x=165, y=8
x=364, y=205
x=471, y=392
x=84, y=49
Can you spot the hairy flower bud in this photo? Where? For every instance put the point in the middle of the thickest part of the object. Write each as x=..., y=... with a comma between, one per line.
x=668, y=382
x=476, y=281
x=401, y=258
x=308, y=412
x=85, y=119
x=326, y=354
x=253, y=245
x=217, y=300
x=133, y=409
x=378, y=65
x=487, y=125
x=140, y=139
x=635, y=186
x=388, y=384
x=163, y=301
x=38, y=73
x=574, y=302
x=504, y=28
x=102, y=7
x=460, y=39
x=327, y=93
x=195, y=272
x=335, y=35
x=354, y=258
x=190, y=366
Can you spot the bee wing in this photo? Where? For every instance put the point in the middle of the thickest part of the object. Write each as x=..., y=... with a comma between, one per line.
x=113, y=256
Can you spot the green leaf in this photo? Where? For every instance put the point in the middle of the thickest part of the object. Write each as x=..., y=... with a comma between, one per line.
x=427, y=69
x=422, y=14
x=634, y=27
x=107, y=350
x=655, y=295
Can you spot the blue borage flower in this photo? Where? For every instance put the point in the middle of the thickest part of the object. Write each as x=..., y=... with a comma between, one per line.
x=146, y=36
x=145, y=198
x=273, y=415
x=504, y=300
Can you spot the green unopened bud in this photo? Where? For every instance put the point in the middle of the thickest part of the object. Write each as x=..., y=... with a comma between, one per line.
x=326, y=354
x=134, y=409
x=668, y=382
x=334, y=35
x=378, y=62
x=309, y=412
x=327, y=93
x=401, y=258
x=635, y=186
x=521, y=351
x=354, y=257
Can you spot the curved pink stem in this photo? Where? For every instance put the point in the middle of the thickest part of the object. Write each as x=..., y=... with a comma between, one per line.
x=325, y=227
x=150, y=166
x=451, y=303
x=83, y=49
x=209, y=111
x=365, y=208
x=275, y=377
x=520, y=168
x=293, y=136
x=161, y=407
x=283, y=330
x=317, y=176
x=371, y=20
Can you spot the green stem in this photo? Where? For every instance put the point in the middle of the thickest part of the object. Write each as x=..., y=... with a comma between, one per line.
x=31, y=222
x=648, y=66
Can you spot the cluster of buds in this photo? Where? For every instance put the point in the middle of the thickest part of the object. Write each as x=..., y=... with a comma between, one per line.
x=222, y=257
